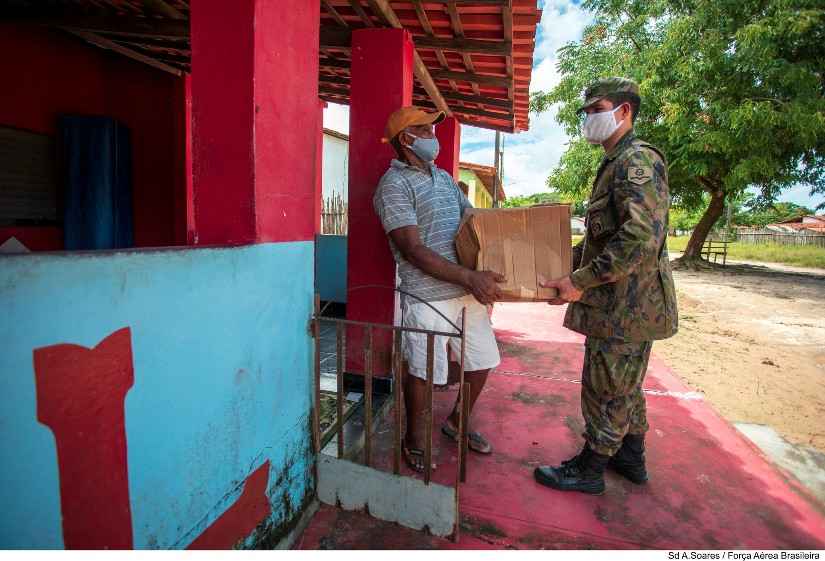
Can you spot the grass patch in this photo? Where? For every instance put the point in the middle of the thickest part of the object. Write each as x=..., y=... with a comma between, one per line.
x=798, y=255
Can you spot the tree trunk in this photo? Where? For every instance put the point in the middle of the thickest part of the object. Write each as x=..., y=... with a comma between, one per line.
x=692, y=257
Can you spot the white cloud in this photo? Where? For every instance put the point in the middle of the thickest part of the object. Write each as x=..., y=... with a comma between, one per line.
x=562, y=22
x=800, y=194
x=529, y=157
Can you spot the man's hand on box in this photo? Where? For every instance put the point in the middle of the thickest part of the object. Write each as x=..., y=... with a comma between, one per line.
x=567, y=292
x=484, y=285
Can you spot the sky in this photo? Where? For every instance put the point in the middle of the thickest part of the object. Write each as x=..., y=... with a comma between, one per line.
x=530, y=156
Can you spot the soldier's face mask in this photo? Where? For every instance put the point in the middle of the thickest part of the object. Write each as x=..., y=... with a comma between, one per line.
x=599, y=126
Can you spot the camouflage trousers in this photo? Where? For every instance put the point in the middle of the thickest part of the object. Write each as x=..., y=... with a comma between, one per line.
x=612, y=401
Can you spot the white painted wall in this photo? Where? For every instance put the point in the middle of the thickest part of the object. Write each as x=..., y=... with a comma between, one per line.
x=335, y=166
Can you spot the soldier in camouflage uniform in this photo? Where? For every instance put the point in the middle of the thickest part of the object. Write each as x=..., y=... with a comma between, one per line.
x=621, y=291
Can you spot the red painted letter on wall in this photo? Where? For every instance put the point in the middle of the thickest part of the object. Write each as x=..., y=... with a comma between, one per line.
x=80, y=397
x=242, y=517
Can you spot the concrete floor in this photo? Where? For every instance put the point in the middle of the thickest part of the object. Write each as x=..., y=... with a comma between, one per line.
x=710, y=488
x=806, y=464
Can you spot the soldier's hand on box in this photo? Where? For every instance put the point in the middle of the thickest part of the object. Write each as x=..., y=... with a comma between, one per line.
x=564, y=286
x=484, y=285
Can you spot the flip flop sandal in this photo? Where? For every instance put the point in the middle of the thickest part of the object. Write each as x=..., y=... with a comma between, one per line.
x=410, y=453
x=476, y=442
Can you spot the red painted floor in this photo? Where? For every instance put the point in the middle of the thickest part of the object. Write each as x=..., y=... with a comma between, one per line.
x=709, y=487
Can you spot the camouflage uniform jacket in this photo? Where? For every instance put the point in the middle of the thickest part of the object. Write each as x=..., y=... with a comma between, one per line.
x=622, y=264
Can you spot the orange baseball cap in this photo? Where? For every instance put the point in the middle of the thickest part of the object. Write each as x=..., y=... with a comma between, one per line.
x=409, y=117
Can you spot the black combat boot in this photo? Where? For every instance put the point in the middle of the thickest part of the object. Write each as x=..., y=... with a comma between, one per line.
x=583, y=473
x=629, y=461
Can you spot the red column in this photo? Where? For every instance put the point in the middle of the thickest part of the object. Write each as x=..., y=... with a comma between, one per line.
x=254, y=93
x=381, y=82
x=448, y=133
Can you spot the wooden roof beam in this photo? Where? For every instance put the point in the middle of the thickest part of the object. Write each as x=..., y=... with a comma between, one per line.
x=424, y=20
x=335, y=37
x=464, y=45
x=162, y=8
x=333, y=79
x=356, y=5
x=334, y=13
x=419, y=68
x=471, y=2
x=104, y=43
x=478, y=100
x=115, y=25
x=341, y=38
x=336, y=64
x=458, y=30
x=501, y=81
x=504, y=117
x=507, y=17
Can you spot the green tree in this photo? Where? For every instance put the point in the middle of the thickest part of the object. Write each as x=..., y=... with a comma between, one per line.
x=751, y=213
x=529, y=200
x=547, y=197
x=684, y=219
x=733, y=91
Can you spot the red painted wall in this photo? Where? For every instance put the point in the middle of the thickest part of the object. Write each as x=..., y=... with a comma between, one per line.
x=52, y=72
x=255, y=120
x=448, y=133
x=35, y=238
x=286, y=130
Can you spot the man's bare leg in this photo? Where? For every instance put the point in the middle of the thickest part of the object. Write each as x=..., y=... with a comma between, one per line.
x=415, y=402
x=476, y=379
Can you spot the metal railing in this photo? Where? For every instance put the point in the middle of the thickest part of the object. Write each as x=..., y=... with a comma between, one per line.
x=397, y=372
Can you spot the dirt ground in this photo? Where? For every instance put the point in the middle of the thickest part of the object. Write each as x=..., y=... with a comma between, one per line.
x=752, y=339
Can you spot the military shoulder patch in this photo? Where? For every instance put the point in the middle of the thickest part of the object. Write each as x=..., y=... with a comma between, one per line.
x=639, y=174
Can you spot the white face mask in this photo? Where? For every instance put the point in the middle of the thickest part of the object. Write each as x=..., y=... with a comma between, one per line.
x=425, y=148
x=599, y=126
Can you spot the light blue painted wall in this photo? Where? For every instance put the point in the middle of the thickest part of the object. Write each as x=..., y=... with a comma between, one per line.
x=331, y=268
x=222, y=365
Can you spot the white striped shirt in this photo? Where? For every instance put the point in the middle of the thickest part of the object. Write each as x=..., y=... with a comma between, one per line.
x=408, y=196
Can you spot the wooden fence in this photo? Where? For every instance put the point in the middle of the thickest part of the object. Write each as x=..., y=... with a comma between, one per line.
x=758, y=236
x=334, y=216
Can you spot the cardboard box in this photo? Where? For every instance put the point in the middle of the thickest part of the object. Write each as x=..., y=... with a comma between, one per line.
x=527, y=245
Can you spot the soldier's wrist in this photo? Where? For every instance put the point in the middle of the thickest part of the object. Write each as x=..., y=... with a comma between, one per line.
x=583, y=279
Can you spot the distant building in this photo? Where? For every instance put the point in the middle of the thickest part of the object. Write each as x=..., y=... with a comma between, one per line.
x=335, y=164
x=811, y=223
x=479, y=180
x=577, y=226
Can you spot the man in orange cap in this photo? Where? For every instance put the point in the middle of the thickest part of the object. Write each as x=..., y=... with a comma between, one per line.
x=420, y=207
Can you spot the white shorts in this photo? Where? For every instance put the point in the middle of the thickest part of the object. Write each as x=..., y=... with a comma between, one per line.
x=480, y=349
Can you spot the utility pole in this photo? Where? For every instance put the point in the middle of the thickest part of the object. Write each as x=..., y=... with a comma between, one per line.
x=500, y=174
x=497, y=164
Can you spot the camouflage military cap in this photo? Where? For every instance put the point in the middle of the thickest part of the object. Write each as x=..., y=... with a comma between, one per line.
x=607, y=86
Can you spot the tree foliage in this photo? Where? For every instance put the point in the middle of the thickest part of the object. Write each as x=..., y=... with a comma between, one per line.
x=529, y=200
x=733, y=92
x=547, y=197
x=682, y=220
x=749, y=212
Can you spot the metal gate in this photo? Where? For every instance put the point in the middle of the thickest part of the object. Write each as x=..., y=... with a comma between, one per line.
x=394, y=497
